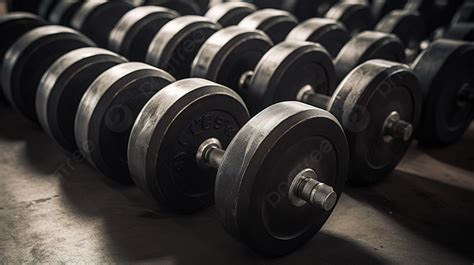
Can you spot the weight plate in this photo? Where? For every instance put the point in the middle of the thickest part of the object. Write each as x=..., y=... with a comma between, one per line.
x=407, y=25
x=331, y=34
x=46, y=6
x=356, y=17
x=465, y=14
x=228, y=54
x=305, y=9
x=96, y=19
x=23, y=5
x=134, y=32
x=461, y=32
x=64, y=11
x=166, y=136
x=30, y=57
x=108, y=110
x=363, y=102
x=230, y=13
x=12, y=27
x=445, y=72
x=259, y=166
x=380, y=8
x=176, y=45
x=183, y=7
x=276, y=23
x=62, y=87
x=286, y=69
x=366, y=46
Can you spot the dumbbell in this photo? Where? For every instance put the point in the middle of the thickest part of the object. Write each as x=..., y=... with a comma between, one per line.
x=12, y=27
x=463, y=31
x=29, y=57
x=465, y=13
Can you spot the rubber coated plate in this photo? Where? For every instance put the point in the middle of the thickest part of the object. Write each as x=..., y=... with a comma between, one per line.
x=465, y=14
x=183, y=7
x=12, y=27
x=304, y=9
x=30, y=57
x=276, y=23
x=363, y=102
x=460, y=32
x=366, y=46
x=331, y=34
x=382, y=7
x=175, y=46
x=356, y=17
x=165, y=138
x=62, y=88
x=134, y=32
x=445, y=72
x=96, y=19
x=259, y=166
x=108, y=110
x=228, y=54
x=407, y=25
x=230, y=13
x=64, y=11
x=46, y=6
x=286, y=69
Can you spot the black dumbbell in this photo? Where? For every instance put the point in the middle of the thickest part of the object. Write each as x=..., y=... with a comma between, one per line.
x=463, y=31
x=28, y=59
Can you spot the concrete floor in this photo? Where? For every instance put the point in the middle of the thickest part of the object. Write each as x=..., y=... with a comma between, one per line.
x=422, y=214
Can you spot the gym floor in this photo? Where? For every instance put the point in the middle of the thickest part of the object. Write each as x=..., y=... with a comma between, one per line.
x=56, y=208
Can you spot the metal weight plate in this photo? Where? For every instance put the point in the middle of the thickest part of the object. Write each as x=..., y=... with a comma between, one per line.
x=259, y=167
x=363, y=102
x=176, y=45
x=463, y=31
x=107, y=112
x=276, y=23
x=356, y=17
x=64, y=11
x=30, y=57
x=167, y=134
x=465, y=14
x=331, y=34
x=62, y=87
x=380, y=8
x=134, y=32
x=46, y=6
x=230, y=53
x=230, y=13
x=366, y=46
x=286, y=69
x=96, y=19
x=445, y=72
x=408, y=26
x=12, y=27
x=305, y=9
x=183, y=7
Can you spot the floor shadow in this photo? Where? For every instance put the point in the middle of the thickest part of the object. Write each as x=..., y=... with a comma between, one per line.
x=14, y=126
x=437, y=211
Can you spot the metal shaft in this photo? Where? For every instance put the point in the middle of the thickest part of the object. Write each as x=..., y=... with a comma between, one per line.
x=308, y=96
x=210, y=154
x=307, y=189
x=395, y=127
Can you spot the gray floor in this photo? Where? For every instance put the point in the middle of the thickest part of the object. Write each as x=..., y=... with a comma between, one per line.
x=422, y=214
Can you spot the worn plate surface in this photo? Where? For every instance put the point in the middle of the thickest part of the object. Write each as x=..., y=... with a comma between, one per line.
x=461, y=32
x=362, y=103
x=165, y=139
x=108, y=110
x=64, y=11
x=356, y=17
x=259, y=166
x=230, y=13
x=62, y=87
x=183, y=7
x=286, y=69
x=30, y=57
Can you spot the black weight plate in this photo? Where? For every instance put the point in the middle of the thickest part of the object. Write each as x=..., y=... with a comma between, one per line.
x=276, y=23
x=445, y=71
x=304, y=9
x=64, y=11
x=259, y=166
x=62, y=87
x=183, y=7
x=96, y=19
x=463, y=31
x=230, y=13
x=366, y=46
x=380, y=8
x=46, y=6
x=12, y=27
x=465, y=14
x=286, y=69
x=108, y=110
x=203, y=5
x=134, y=32
x=363, y=102
x=230, y=53
x=331, y=34
x=356, y=17
x=165, y=139
x=176, y=45
x=30, y=57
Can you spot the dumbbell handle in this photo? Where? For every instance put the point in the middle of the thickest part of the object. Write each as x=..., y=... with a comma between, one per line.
x=308, y=96
x=304, y=188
